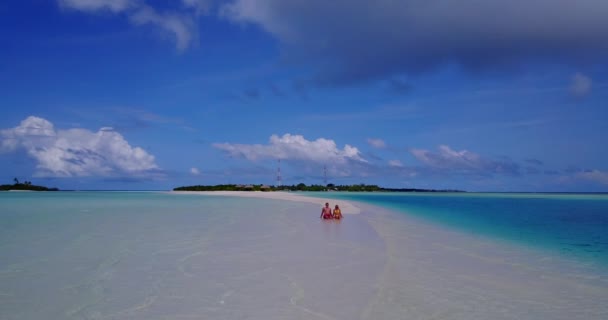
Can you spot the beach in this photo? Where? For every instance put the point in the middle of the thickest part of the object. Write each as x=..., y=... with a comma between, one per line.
x=267, y=255
x=433, y=272
x=346, y=206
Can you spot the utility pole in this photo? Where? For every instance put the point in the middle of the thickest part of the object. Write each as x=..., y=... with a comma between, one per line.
x=279, y=178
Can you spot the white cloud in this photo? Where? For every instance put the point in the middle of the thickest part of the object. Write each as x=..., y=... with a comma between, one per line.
x=376, y=143
x=95, y=5
x=200, y=6
x=595, y=176
x=463, y=161
x=580, y=85
x=195, y=171
x=77, y=152
x=446, y=157
x=179, y=25
x=295, y=147
x=395, y=163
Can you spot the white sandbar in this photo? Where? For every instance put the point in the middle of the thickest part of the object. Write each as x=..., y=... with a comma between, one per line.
x=431, y=272
x=345, y=206
x=267, y=255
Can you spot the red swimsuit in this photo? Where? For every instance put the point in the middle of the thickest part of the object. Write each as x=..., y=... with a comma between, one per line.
x=327, y=213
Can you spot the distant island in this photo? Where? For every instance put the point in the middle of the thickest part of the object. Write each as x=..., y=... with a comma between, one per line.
x=304, y=187
x=25, y=186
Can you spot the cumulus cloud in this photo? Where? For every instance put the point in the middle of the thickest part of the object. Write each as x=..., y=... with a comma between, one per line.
x=195, y=171
x=580, y=85
x=463, y=162
x=77, y=152
x=200, y=6
x=95, y=5
x=598, y=176
x=360, y=40
x=179, y=25
x=376, y=143
x=535, y=162
x=295, y=147
x=395, y=163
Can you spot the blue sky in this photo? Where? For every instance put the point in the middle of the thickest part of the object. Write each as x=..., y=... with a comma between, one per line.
x=141, y=94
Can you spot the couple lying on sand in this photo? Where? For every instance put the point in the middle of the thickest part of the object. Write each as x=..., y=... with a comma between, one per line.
x=326, y=212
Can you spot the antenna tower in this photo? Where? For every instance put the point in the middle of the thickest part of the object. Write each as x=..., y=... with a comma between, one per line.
x=324, y=175
x=279, y=179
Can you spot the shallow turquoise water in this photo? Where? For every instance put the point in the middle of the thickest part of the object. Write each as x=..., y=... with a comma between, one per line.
x=574, y=225
x=151, y=255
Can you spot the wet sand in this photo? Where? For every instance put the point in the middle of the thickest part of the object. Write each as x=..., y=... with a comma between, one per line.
x=269, y=256
x=424, y=271
x=346, y=206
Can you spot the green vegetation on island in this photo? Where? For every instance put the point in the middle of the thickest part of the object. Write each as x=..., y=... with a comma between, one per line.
x=25, y=186
x=303, y=187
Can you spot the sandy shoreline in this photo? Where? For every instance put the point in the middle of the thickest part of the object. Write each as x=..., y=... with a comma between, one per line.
x=347, y=207
x=430, y=271
x=153, y=256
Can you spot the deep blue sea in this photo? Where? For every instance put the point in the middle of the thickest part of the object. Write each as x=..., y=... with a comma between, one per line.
x=573, y=225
